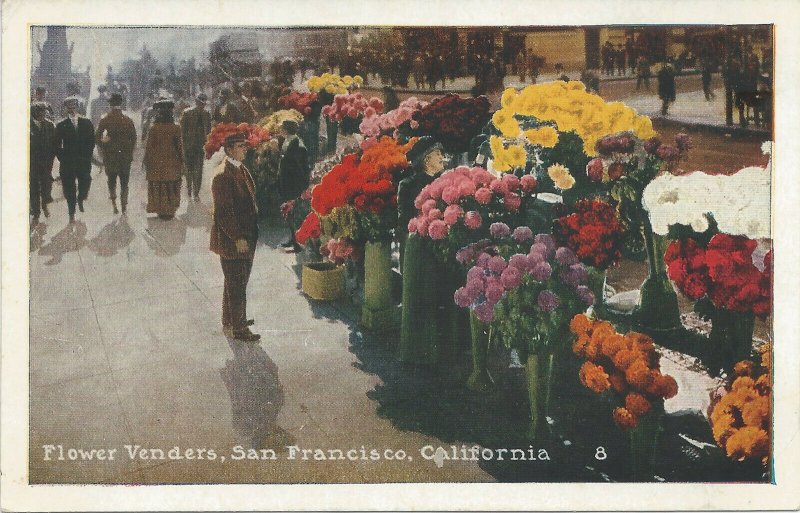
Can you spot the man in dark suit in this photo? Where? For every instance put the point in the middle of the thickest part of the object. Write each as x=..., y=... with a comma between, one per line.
x=116, y=137
x=195, y=127
x=294, y=174
x=74, y=144
x=234, y=234
x=42, y=155
x=226, y=111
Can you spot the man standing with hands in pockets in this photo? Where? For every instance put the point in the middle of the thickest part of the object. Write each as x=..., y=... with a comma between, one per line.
x=234, y=235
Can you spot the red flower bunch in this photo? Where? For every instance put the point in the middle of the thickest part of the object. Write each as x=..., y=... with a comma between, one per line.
x=310, y=229
x=366, y=188
x=216, y=139
x=627, y=364
x=352, y=105
x=453, y=121
x=724, y=271
x=304, y=103
x=593, y=232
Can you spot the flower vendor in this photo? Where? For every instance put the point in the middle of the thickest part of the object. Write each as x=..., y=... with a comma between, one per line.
x=422, y=274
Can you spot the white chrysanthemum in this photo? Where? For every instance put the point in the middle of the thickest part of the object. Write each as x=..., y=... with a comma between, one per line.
x=739, y=203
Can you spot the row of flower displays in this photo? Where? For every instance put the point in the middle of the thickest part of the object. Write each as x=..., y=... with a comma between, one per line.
x=540, y=199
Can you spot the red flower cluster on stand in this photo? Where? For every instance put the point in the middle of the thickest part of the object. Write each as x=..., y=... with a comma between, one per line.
x=348, y=184
x=350, y=109
x=723, y=271
x=593, y=232
x=453, y=121
x=304, y=103
x=310, y=229
x=216, y=139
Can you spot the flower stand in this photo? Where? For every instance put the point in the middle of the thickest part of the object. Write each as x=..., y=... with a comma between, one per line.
x=479, y=380
x=323, y=281
x=658, y=302
x=378, y=312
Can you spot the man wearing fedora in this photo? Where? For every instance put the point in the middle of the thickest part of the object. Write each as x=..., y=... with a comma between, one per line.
x=195, y=127
x=116, y=137
x=74, y=144
x=234, y=234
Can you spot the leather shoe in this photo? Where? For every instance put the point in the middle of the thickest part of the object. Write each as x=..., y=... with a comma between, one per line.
x=245, y=335
x=80, y=205
x=287, y=244
x=250, y=322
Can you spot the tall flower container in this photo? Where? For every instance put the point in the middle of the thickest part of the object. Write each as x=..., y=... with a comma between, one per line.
x=479, y=380
x=311, y=138
x=378, y=312
x=539, y=368
x=643, y=443
x=658, y=302
x=731, y=337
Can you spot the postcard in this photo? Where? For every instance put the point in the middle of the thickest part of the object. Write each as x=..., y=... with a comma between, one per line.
x=399, y=256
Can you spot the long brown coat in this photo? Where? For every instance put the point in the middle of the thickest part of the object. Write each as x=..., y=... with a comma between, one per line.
x=119, y=150
x=163, y=153
x=235, y=212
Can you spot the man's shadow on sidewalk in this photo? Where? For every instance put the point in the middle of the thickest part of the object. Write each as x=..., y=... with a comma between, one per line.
x=113, y=237
x=71, y=238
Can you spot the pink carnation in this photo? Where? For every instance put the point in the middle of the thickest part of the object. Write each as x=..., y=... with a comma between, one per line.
x=497, y=264
x=511, y=181
x=427, y=206
x=519, y=261
x=412, y=225
x=475, y=274
x=434, y=214
x=473, y=220
x=452, y=213
x=466, y=188
x=450, y=195
x=483, y=196
x=528, y=183
x=494, y=292
x=483, y=260
x=512, y=202
x=422, y=226
x=437, y=229
x=498, y=186
x=511, y=277
x=461, y=298
x=484, y=312
x=481, y=177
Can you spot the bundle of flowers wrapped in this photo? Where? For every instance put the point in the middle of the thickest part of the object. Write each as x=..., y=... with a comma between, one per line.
x=274, y=121
x=350, y=109
x=216, y=139
x=458, y=207
x=741, y=419
x=391, y=123
x=593, y=232
x=540, y=112
x=332, y=84
x=453, y=121
x=527, y=285
x=724, y=271
x=339, y=251
x=305, y=103
x=626, y=365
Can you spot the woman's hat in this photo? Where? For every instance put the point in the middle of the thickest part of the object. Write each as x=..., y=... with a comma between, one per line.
x=164, y=103
x=423, y=146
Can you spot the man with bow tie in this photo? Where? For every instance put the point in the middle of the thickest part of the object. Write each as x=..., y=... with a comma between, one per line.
x=74, y=144
x=234, y=235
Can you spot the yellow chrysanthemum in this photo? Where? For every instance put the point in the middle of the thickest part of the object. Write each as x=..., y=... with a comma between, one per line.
x=545, y=136
x=509, y=95
x=506, y=159
x=358, y=80
x=561, y=176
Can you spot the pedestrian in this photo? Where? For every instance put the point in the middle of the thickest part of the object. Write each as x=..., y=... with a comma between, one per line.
x=707, y=71
x=294, y=174
x=195, y=127
x=116, y=138
x=40, y=96
x=99, y=106
x=234, y=234
x=642, y=72
x=42, y=152
x=390, y=99
x=522, y=65
x=163, y=162
x=226, y=111
x=74, y=144
x=666, y=86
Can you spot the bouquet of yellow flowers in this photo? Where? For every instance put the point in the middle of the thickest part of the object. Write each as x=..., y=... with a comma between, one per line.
x=333, y=84
x=274, y=121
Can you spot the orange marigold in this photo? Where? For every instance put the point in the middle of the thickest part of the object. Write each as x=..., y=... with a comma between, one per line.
x=639, y=375
x=722, y=428
x=594, y=377
x=743, y=382
x=601, y=331
x=637, y=404
x=744, y=368
x=612, y=345
x=625, y=419
x=667, y=387
x=748, y=442
x=581, y=324
x=618, y=382
x=640, y=341
x=764, y=384
x=625, y=357
x=755, y=413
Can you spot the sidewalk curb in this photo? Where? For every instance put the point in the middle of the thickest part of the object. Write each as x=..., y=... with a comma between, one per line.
x=721, y=129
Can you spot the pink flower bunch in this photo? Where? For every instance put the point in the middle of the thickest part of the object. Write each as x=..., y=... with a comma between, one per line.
x=339, y=251
x=352, y=105
x=376, y=124
x=545, y=267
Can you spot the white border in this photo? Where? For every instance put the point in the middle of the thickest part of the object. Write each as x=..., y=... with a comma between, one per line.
x=16, y=496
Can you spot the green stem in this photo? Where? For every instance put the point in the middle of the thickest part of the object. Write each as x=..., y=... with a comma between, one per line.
x=479, y=379
x=532, y=368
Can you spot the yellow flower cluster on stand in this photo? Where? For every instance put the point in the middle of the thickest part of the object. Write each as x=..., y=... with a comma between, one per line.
x=333, y=83
x=274, y=122
x=545, y=136
x=561, y=176
x=570, y=107
x=506, y=159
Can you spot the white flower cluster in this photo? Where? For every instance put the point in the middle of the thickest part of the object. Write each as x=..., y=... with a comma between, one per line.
x=739, y=203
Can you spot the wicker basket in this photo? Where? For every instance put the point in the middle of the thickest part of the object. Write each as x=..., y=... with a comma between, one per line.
x=323, y=281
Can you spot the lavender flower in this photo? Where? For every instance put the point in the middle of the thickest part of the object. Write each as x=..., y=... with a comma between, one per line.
x=542, y=271
x=484, y=312
x=547, y=301
x=574, y=275
x=499, y=230
x=519, y=261
x=651, y=145
x=548, y=241
x=497, y=264
x=511, y=278
x=668, y=153
x=522, y=234
x=585, y=294
x=566, y=256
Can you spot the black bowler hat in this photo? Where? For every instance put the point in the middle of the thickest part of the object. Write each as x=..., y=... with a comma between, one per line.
x=421, y=148
x=115, y=100
x=72, y=100
x=164, y=103
x=234, y=138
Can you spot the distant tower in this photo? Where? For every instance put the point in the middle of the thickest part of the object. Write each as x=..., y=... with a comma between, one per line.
x=55, y=68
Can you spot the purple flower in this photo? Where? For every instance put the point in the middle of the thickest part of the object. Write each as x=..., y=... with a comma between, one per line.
x=519, y=261
x=465, y=254
x=534, y=259
x=606, y=145
x=668, y=152
x=494, y=291
x=683, y=142
x=651, y=145
x=574, y=275
x=566, y=256
x=483, y=259
x=498, y=230
x=484, y=312
x=539, y=249
x=497, y=264
x=511, y=278
x=547, y=240
x=476, y=274
x=542, y=271
x=462, y=298
x=522, y=234
x=625, y=144
x=547, y=301
x=585, y=294
x=474, y=289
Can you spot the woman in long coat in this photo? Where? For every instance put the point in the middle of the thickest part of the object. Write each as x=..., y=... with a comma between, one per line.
x=163, y=161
